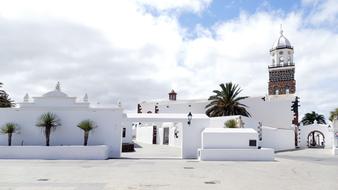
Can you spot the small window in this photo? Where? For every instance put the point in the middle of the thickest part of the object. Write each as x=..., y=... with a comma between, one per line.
x=124, y=131
x=276, y=92
x=252, y=143
x=287, y=91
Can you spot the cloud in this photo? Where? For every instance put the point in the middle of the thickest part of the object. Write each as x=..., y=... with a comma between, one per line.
x=122, y=51
x=323, y=12
x=183, y=5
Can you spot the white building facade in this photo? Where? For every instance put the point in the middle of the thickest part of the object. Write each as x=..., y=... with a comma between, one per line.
x=70, y=112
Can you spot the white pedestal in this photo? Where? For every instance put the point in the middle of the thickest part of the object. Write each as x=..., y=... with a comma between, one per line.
x=264, y=154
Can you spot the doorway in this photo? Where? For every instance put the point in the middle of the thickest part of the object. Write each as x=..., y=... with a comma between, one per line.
x=166, y=135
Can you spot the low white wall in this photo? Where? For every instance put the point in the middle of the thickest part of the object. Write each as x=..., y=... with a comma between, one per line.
x=264, y=154
x=278, y=139
x=108, y=131
x=225, y=138
x=99, y=152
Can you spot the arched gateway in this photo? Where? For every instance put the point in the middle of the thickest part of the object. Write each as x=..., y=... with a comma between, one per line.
x=316, y=139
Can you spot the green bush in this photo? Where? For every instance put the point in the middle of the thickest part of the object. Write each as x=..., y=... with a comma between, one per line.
x=230, y=124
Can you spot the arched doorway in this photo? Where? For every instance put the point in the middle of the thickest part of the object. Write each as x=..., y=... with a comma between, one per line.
x=316, y=139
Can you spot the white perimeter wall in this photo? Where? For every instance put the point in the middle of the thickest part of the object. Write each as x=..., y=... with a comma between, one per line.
x=107, y=133
x=278, y=139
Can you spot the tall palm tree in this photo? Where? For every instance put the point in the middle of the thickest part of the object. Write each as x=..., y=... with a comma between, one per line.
x=9, y=129
x=310, y=118
x=334, y=115
x=226, y=102
x=48, y=121
x=86, y=125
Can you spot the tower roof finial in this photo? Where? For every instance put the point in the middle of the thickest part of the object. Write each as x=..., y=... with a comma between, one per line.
x=281, y=29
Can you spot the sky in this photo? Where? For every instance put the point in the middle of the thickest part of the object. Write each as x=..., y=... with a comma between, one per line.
x=136, y=50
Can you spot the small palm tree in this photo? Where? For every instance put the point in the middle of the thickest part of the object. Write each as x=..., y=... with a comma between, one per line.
x=9, y=129
x=226, y=102
x=334, y=115
x=310, y=118
x=48, y=121
x=86, y=125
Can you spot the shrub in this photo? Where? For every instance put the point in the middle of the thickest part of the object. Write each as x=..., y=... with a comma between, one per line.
x=230, y=124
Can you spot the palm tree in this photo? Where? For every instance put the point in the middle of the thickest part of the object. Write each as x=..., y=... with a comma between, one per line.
x=226, y=102
x=86, y=125
x=9, y=129
x=49, y=122
x=5, y=101
x=310, y=118
x=334, y=115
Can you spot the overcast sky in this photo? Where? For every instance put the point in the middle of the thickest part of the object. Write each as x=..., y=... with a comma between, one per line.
x=134, y=50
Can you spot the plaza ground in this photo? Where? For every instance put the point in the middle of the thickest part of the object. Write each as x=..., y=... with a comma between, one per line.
x=309, y=169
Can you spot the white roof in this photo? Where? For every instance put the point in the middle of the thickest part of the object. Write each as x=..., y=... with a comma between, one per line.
x=229, y=130
x=165, y=116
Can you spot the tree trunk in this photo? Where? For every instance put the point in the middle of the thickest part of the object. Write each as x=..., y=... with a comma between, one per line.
x=47, y=134
x=9, y=139
x=86, y=134
x=313, y=139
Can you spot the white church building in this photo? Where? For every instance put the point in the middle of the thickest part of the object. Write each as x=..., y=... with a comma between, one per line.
x=271, y=114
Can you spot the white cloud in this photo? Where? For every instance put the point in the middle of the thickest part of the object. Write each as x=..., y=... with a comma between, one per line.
x=186, y=5
x=323, y=12
x=120, y=51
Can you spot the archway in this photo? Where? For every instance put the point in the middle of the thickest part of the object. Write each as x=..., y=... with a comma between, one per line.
x=316, y=139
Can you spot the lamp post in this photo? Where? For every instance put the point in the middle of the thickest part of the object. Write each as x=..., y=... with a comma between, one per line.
x=189, y=118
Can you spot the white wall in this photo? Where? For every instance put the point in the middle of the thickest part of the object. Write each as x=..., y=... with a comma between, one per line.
x=107, y=133
x=191, y=140
x=278, y=139
x=129, y=130
x=275, y=111
x=55, y=152
x=173, y=141
x=307, y=129
x=225, y=138
x=264, y=154
x=144, y=134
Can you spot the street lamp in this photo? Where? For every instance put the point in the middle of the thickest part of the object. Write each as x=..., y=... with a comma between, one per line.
x=189, y=118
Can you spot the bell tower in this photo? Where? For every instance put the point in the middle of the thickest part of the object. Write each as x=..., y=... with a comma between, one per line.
x=282, y=68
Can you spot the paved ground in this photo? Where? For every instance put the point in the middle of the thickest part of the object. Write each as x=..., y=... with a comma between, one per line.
x=297, y=170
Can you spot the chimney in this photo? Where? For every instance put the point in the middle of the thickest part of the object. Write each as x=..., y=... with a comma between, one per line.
x=172, y=95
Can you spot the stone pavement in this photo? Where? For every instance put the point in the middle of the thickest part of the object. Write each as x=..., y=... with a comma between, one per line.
x=309, y=169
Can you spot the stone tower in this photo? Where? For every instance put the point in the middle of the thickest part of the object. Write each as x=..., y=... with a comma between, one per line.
x=282, y=68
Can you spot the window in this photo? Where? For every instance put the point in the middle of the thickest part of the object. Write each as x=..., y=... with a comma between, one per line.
x=124, y=131
x=252, y=143
x=287, y=90
x=277, y=92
